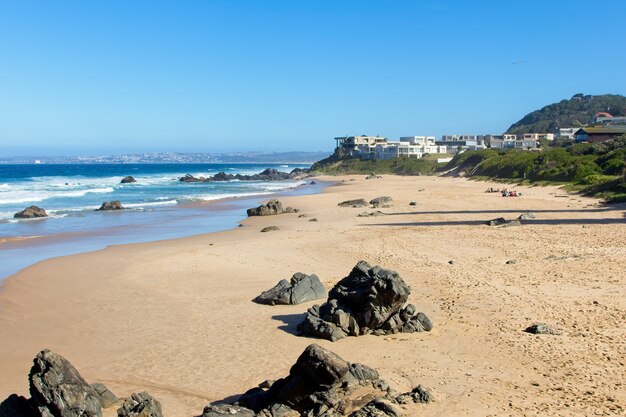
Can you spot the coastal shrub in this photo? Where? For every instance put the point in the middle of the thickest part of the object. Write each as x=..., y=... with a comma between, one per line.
x=613, y=166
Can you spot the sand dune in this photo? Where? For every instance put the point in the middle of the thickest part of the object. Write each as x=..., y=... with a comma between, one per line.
x=175, y=318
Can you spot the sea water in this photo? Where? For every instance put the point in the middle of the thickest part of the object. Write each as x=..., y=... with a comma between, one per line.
x=159, y=206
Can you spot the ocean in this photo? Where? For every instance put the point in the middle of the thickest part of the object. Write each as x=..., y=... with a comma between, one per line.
x=158, y=205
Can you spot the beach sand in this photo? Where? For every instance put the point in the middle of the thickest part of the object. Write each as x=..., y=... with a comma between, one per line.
x=174, y=318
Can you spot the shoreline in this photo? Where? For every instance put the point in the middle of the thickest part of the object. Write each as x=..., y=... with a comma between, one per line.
x=71, y=243
x=175, y=318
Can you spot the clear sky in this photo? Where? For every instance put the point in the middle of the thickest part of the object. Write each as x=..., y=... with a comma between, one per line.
x=78, y=77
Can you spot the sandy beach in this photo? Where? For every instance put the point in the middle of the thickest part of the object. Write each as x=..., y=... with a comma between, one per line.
x=175, y=318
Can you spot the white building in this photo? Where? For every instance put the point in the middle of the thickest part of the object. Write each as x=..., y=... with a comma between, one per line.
x=567, y=132
x=462, y=142
x=361, y=146
x=398, y=149
x=427, y=143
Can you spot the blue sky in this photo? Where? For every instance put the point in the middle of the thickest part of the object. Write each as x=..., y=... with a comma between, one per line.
x=80, y=77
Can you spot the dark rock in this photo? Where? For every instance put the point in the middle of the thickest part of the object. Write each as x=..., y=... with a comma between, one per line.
x=502, y=222
x=278, y=410
x=31, y=212
x=140, y=405
x=17, y=406
x=511, y=262
x=271, y=208
x=312, y=183
x=368, y=300
x=371, y=214
x=413, y=203
x=300, y=289
x=542, y=328
x=107, y=398
x=270, y=229
x=128, y=180
x=313, y=219
x=353, y=203
x=526, y=216
x=269, y=174
x=58, y=390
x=451, y=262
x=377, y=408
x=111, y=205
x=419, y=394
x=303, y=215
x=379, y=201
x=291, y=210
x=223, y=410
x=372, y=176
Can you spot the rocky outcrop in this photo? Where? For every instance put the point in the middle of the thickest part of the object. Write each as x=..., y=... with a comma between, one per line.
x=107, y=398
x=111, y=205
x=270, y=229
x=269, y=174
x=368, y=300
x=380, y=201
x=58, y=390
x=320, y=383
x=140, y=405
x=128, y=180
x=300, y=289
x=271, y=208
x=31, y=212
x=353, y=203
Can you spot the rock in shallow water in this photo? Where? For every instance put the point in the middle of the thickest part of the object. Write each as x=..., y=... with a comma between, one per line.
x=271, y=208
x=368, y=300
x=128, y=180
x=111, y=205
x=301, y=288
x=31, y=212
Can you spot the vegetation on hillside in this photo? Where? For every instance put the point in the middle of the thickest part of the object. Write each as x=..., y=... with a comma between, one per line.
x=597, y=169
x=335, y=165
x=575, y=112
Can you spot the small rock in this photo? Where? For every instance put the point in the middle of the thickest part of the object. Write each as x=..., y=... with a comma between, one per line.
x=511, y=262
x=271, y=208
x=269, y=229
x=223, y=410
x=301, y=288
x=413, y=203
x=107, y=398
x=353, y=203
x=128, y=180
x=140, y=405
x=379, y=201
x=31, y=212
x=502, y=222
x=111, y=205
x=313, y=219
x=451, y=262
x=542, y=328
x=526, y=216
x=371, y=214
x=303, y=215
x=312, y=183
x=419, y=394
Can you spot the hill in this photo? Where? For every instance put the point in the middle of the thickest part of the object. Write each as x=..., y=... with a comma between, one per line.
x=574, y=112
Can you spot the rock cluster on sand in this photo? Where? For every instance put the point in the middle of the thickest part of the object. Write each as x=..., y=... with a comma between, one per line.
x=128, y=180
x=372, y=176
x=369, y=300
x=380, y=201
x=542, y=328
x=319, y=384
x=31, y=212
x=270, y=174
x=353, y=203
x=270, y=229
x=271, y=208
x=58, y=390
x=111, y=205
x=301, y=288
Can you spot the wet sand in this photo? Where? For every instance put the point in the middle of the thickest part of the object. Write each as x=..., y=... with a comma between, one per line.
x=175, y=318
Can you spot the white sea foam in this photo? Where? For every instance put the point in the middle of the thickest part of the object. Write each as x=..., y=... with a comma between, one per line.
x=150, y=204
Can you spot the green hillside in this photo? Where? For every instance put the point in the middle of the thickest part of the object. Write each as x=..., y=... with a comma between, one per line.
x=574, y=112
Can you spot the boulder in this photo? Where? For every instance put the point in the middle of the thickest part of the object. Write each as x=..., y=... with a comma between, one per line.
x=128, y=180
x=300, y=289
x=270, y=229
x=107, y=398
x=319, y=384
x=271, y=208
x=419, y=394
x=140, y=405
x=31, y=212
x=111, y=205
x=369, y=300
x=380, y=201
x=542, y=328
x=17, y=406
x=58, y=390
x=353, y=203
